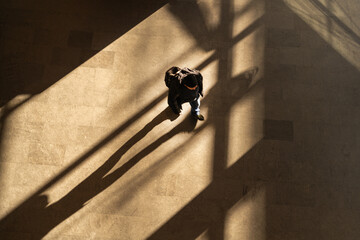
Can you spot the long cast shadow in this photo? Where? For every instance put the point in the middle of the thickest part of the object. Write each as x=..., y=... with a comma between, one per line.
x=101, y=144
x=39, y=200
x=206, y=211
x=36, y=217
x=181, y=225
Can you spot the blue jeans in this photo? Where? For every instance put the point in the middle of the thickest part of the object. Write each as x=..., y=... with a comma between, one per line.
x=195, y=106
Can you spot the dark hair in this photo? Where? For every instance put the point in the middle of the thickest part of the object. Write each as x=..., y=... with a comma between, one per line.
x=190, y=80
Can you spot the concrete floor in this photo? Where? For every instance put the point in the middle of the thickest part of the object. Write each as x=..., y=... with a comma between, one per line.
x=89, y=149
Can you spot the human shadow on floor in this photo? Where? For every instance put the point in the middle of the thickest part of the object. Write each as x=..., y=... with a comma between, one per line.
x=37, y=218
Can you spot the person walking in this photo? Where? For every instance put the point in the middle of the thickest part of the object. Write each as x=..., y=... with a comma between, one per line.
x=185, y=85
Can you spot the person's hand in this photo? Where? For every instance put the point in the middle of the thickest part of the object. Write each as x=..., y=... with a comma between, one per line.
x=177, y=111
x=171, y=114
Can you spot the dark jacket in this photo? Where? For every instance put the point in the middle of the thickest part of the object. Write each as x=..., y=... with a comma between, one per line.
x=177, y=79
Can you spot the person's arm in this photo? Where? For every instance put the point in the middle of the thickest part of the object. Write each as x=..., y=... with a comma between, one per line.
x=170, y=73
x=172, y=96
x=200, y=83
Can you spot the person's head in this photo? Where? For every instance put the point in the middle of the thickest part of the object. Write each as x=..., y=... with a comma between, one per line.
x=190, y=82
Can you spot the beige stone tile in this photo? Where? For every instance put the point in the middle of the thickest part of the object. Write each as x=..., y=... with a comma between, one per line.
x=106, y=80
x=84, y=74
x=94, y=98
x=246, y=218
x=79, y=115
x=15, y=151
x=65, y=237
x=59, y=134
x=39, y=112
x=46, y=153
x=175, y=185
x=246, y=12
x=66, y=95
x=158, y=24
x=29, y=176
x=90, y=135
x=102, y=59
x=108, y=40
x=112, y=226
x=137, y=223
x=24, y=132
x=133, y=47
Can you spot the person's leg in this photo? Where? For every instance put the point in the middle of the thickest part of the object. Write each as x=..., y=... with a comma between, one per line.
x=179, y=102
x=195, y=106
x=195, y=109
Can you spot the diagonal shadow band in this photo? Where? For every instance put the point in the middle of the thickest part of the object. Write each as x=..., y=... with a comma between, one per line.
x=34, y=214
x=347, y=30
x=213, y=57
x=206, y=209
x=49, y=213
x=5, y=111
x=69, y=37
x=187, y=125
x=37, y=199
x=37, y=217
x=101, y=144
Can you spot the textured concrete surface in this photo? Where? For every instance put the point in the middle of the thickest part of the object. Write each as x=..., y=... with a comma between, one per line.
x=89, y=149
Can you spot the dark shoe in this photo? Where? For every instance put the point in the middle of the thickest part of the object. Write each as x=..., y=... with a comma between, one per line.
x=199, y=116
